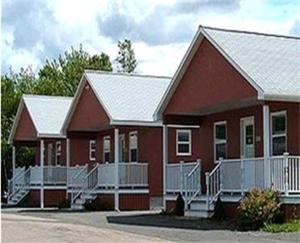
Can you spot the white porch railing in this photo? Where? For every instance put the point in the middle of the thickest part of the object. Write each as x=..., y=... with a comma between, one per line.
x=76, y=175
x=175, y=173
x=285, y=173
x=53, y=175
x=133, y=174
x=106, y=175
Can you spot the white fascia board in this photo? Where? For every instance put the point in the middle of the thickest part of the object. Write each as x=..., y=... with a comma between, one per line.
x=285, y=98
x=50, y=135
x=183, y=126
x=136, y=123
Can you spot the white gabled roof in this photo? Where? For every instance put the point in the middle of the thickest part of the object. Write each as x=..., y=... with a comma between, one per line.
x=271, y=61
x=128, y=97
x=47, y=113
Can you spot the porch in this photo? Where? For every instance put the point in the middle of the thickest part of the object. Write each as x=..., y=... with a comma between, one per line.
x=232, y=178
x=78, y=179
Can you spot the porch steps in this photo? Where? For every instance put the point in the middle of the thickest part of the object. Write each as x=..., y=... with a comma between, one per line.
x=198, y=208
x=17, y=198
x=84, y=197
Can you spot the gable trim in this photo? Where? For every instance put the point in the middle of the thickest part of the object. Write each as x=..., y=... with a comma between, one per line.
x=197, y=40
x=76, y=100
x=17, y=118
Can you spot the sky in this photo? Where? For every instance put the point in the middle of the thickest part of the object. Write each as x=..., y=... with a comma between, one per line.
x=161, y=31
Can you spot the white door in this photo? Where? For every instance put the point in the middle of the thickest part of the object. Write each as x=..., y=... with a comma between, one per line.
x=122, y=148
x=247, y=137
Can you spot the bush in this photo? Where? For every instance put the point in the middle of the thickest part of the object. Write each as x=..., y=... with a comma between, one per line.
x=259, y=207
x=219, y=213
x=179, y=206
x=64, y=204
x=98, y=206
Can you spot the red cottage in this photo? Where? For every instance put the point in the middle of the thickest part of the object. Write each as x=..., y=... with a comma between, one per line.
x=242, y=91
x=38, y=125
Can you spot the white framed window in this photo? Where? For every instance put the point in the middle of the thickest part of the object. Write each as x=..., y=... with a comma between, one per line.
x=133, y=146
x=220, y=140
x=278, y=132
x=92, y=150
x=183, y=142
x=57, y=152
x=106, y=149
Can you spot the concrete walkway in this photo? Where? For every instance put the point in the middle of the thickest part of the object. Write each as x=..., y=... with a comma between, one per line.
x=20, y=228
x=23, y=225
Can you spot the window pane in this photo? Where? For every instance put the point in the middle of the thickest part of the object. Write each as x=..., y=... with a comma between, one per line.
x=133, y=141
x=278, y=124
x=279, y=145
x=106, y=145
x=133, y=155
x=249, y=130
x=220, y=151
x=221, y=131
x=183, y=136
x=183, y=148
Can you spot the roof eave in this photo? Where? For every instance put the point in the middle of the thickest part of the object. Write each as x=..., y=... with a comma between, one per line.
x=282, y=97
x=136, y=123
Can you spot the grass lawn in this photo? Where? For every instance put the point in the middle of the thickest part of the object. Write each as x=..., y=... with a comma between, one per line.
x=293, y=226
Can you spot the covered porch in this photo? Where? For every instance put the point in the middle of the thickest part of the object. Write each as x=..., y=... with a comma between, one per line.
x=239, y=148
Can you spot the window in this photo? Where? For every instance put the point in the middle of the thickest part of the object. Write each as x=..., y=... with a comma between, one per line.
x=133, y=146
x=57, y=152
x=279, y=133
x=92, y=150
x=106, y=149
x=220, y=140
x=183, y=142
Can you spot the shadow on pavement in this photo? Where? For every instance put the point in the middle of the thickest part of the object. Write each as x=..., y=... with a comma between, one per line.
x=167, y=221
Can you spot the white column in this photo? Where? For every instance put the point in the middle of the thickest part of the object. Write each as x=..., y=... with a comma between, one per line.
x=165, y=161
x=116, y=131
x=14, y=160
x=266, y=139
x=67, y=162
x=13, y=166
x=42, y=173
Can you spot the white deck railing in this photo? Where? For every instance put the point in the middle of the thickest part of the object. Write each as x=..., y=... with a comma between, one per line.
x=175, y=173
x=285, y=173
x=53, y=175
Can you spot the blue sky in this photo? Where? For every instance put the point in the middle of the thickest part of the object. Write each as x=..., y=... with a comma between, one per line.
x=33, y=31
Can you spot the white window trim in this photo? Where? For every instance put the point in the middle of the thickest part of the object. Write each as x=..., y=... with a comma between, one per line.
x=220, y=141
x=57, y=152
x=184, y=142
x=278, y=113
x=137, y=146
x=103, y=149
x=92, y=150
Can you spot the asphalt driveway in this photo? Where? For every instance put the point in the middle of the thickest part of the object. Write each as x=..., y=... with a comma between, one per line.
x=127, y=227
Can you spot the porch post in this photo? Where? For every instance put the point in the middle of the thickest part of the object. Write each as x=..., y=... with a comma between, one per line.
x=165, y=161
x=67, y=162
x=42, y=173
x=266, y=139
x=13, y=166
x=116, y=131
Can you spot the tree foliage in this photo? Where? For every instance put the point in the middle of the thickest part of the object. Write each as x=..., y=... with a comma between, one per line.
x=57, y=77
x=126, y=57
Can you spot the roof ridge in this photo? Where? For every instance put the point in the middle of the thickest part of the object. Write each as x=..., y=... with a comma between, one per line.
x=47, y=96
x=250, y=32
x=126, y=74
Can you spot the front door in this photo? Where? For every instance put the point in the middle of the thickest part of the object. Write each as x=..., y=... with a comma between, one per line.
x=122, y=148
x=247, y=137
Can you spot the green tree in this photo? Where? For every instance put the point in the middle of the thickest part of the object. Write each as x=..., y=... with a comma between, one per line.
x=61, y=76
x=126, y=61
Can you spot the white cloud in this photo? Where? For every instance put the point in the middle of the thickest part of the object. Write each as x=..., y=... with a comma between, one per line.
x=160, y=30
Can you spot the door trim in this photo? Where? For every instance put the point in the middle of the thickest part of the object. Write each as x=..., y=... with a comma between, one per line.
x=252, y=118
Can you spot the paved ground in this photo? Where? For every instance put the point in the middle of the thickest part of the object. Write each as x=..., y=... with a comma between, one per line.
x=125, y=227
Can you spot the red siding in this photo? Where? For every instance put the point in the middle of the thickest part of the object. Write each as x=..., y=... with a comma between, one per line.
x=25, y=129
x=134, y=201
x=52, y=198
x=209, y=80
x=89, y=115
